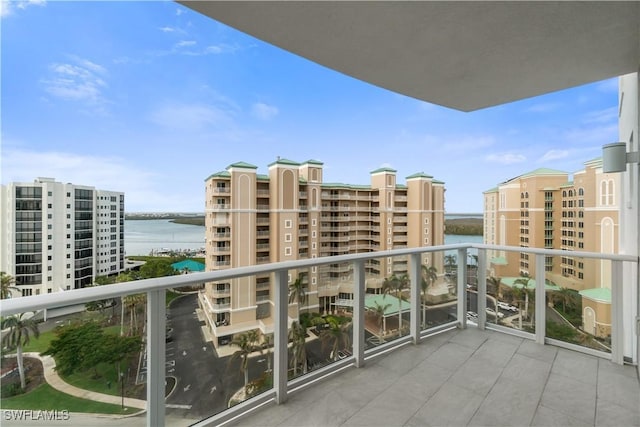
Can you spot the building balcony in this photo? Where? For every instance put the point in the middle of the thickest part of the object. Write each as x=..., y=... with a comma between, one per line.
x=443, y=369
x=221, y=190
x=220, y=236
x=262, y=221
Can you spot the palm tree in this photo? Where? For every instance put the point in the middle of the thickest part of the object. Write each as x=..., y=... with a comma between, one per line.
x=493, y=287
x=528, y=294
x=566, y=297
x=7, y=282
x=396, y=284
x=297, y=336
x=379, y=311
x=20, y=328
x=450, y=262
x=297, y=291
x=246, y=344
x=337, y=336
x=429, y=277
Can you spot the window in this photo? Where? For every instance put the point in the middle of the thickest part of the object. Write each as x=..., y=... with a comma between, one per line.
x=287, y=237
x=313, y=234
x=287, y=251
x=314, y=223
x=426, y=221
x=287, y=223
x=314, y=280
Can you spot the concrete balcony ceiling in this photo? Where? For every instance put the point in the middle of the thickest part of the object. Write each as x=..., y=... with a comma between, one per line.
x=462, y=55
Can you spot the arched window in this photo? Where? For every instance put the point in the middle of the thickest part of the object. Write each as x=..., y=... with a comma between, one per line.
x=580, y=191
x=603, y=193
x=564, y=193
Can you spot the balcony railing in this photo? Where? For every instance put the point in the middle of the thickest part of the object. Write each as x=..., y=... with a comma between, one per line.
x=155, y=289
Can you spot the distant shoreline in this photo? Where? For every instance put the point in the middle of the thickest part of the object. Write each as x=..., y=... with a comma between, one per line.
x=468, y=226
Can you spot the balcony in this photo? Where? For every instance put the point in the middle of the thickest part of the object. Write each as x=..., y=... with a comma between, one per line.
x=453, y=372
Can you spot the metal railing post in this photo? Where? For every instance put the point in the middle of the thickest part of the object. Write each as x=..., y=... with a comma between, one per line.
x=617, y=315
x=482, y=288
x=462, y=288
x=541, y=300
x=358, y=313
x=416, y=278
x=280, y=350
x=156, y=354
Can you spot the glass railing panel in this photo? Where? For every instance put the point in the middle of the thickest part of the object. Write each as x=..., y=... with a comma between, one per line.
x=579, y=302
x=438, y=289
x=511, y=300
x=69, y=369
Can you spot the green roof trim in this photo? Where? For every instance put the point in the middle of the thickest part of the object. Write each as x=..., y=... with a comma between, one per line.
x=491, y=190
x=243, y=165
x=284, y=162
x=401, y=187
x=593, y=162
x=510, y=282
x=341, y=185
x=597, y=294
x=419, y=175
x=313, y=162
x=221, y=174
x=543, y=171
x=499, y=260
x=262, y=177
x=437, y=181
x=380, y=170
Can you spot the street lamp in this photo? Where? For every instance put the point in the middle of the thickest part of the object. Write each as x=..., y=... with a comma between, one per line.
x=122, y=387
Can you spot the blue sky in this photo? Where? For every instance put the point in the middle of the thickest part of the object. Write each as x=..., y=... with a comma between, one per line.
x=150, y=98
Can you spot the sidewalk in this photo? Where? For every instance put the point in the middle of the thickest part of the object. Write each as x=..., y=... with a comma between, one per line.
x=54, y=380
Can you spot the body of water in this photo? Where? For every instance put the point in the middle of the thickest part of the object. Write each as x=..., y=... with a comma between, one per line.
x=143, y=236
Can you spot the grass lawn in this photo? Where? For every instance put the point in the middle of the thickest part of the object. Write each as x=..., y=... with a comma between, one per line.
x=46, y=397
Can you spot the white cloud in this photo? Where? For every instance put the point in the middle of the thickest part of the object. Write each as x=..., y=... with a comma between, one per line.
x=190, y=117
x=505, y=158
x=167, y=29
x=553, y=155
x=543, y=107
x=7, y=7
x=608, y=115
x=179, y=12
x=264, y=111
x=105, y=173
x=610, y=85
x=185, y=43
x=81, y=80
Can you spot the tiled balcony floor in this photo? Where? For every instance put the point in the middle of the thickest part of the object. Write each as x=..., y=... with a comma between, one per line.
x=467, y=377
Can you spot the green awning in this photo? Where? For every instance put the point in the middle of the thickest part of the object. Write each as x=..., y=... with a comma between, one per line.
x=597, y=294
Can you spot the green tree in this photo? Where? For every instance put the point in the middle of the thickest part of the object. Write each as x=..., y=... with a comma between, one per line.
x=429, y=277
x=298, y=292
x=157, y=268
x=297, y=337
x=19, y=334
x=337, y=336
x=246, y=343
x=7, y=283
x=493, y=286
x=378, y=311
x=83, y=346
x=525, y=294
x=568, y=298
x=450, y=263
x=396, y=284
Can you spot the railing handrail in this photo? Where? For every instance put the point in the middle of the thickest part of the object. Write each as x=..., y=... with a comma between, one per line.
x=82, y=296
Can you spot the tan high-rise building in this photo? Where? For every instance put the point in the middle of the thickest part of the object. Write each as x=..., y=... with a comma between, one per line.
x=292, y=214
x=543, y=209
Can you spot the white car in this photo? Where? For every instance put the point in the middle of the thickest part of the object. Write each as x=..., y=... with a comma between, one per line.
x=491, y=312
x=507, y=307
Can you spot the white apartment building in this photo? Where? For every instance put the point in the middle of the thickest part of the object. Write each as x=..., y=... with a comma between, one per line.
x=58, y=236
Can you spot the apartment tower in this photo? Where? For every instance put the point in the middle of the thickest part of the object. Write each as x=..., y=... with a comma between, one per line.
x=57, y=236
x=544, y=209
x=290, y=214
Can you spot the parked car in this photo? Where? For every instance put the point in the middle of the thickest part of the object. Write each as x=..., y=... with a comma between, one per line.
x=507, y=307
x=491, y=312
